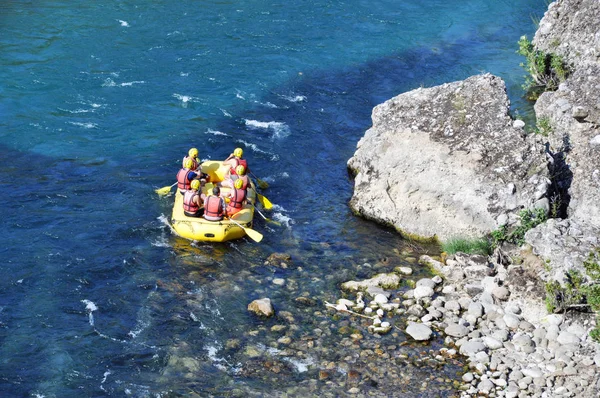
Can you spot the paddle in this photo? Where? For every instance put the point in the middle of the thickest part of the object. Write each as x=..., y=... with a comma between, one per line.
x=254, y=235
x=261, y=183
x=264, y=201
x=266, y=218
x=164, y=190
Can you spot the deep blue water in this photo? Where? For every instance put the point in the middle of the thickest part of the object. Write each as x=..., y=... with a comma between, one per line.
x=98, y=103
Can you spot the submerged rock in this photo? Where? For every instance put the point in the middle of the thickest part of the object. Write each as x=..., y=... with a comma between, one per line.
x=262, y=307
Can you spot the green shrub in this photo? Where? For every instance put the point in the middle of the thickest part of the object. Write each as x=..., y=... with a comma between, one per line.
x=529, y=219
x=560, y=298
x=576, y=291
x=469, y=246
x=546, y=70
x=543, y=127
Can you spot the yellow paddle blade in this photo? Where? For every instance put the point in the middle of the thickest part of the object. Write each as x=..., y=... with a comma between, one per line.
x=163, y=190
x=253, y=234
x=264, y=201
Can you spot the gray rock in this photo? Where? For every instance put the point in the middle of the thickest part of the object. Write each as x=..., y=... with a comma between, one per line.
x=568, y=338
x=422, y=292
x=452, y=305
x=427, y=282
x=492, y=343
x=501, y=293
x=475, y=309
x=455, y=330
x=465, y=144
x=471, y=348
x=511, y=320
x=485, y=387
x=418, y=331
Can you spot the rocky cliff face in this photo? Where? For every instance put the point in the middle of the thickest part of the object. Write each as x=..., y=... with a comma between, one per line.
x=571, y=28
x=448, y=161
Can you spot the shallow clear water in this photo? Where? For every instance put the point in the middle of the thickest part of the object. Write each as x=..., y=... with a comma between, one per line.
x=98, y=103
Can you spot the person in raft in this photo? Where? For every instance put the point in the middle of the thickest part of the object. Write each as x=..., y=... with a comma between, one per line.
x=192, y=154
x=240, y=174
x=192, y=202
x=186, y=175
x=214, y=206
x=237, y=198
x=234, y=160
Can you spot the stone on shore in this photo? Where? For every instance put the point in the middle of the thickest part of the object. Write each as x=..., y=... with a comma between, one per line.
x=418, y=331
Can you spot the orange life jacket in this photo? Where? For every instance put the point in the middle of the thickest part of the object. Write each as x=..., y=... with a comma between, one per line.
x=189, y=205
x=183, y=183
x=213, y=208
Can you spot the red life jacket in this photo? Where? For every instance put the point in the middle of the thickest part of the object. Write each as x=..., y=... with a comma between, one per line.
x=238, y=162
x=194, y=160
x=213, y=208
x=236, y=203
x=189, y=205
x=238, y=197
x=183, y=183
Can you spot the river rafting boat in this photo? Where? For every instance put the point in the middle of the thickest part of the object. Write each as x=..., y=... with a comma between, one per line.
x=200, y=229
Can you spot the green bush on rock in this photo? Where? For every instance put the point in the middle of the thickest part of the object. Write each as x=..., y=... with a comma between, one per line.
x=577, y=292
x=529, y=219
x=546, y=70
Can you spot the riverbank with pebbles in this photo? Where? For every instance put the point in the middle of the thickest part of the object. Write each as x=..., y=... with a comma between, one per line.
x=490, y=310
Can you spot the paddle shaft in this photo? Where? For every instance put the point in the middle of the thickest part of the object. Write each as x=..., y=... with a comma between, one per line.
x=254, y=235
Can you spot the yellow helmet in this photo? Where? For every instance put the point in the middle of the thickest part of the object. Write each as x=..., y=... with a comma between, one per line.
x=238, y=183
x=240, y=170
x=238, y=152
x=195, y=184
x=189, y=163
x=193, y=152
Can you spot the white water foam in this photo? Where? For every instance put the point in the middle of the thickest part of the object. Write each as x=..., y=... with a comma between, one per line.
x=279, y=129
x=297, y=98
x=279, y=215
x=111, y=83
x=104, y=379
x=225, y=113
x=90, y=307
x=183, y=98
x=212, y=355
x=254, y=147
x=123, y=23
x=84, y=125
x=216, y=132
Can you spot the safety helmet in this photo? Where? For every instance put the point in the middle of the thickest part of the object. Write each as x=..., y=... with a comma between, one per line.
x=238, y=152
x=195, y=184
x=193, y=152
x=238, y=183
x=189, y=163
x=240, y=170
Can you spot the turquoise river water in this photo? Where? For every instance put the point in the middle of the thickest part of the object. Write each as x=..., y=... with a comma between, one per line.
x=99, y=100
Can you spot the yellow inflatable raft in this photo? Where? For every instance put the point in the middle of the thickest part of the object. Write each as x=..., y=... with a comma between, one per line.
x=197, y=228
